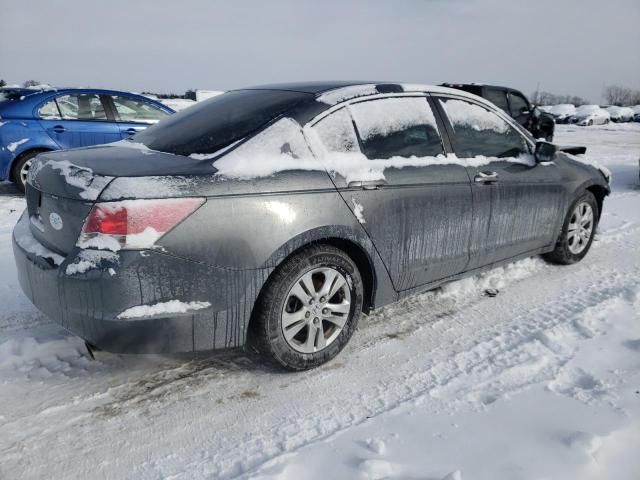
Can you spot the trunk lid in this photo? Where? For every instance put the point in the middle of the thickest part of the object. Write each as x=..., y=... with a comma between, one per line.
x=63, y=186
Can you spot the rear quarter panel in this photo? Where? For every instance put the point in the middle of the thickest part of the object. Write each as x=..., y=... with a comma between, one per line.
x=17, y=137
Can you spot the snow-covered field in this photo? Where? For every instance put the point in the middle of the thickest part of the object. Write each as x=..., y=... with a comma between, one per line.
x=540, y=382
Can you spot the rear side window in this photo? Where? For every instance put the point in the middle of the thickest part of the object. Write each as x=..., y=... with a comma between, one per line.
x=498, y=98
x=81, y=107
x=131, y=109
x=397, y=127
x=480, y=132
x=49, y=111
x=336, y=133
x=218, y=122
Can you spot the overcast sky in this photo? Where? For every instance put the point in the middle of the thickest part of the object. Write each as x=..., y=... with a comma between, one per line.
x=570, y=46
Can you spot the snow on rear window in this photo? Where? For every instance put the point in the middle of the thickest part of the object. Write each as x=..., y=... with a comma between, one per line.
x=469, y=115
x=390, y=115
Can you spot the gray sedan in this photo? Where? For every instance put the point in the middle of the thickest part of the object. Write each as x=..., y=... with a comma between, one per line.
x=273, y=216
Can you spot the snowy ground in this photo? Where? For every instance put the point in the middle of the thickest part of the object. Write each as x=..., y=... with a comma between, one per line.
x=540, y=382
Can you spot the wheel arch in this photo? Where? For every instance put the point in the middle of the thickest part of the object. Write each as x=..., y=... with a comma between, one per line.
x=599, y=192
x=376, y=283
x=31, y=149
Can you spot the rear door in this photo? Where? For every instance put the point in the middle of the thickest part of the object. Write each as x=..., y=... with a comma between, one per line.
x=415, y=205
x=134, y=114
x=78, y=120
x=517, y=203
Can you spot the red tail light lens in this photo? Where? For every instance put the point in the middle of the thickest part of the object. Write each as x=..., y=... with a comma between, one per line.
x=134, y=223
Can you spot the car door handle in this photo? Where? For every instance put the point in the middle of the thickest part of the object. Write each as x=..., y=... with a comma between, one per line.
x=58, y=129
x=486, y=177
x=367, y=184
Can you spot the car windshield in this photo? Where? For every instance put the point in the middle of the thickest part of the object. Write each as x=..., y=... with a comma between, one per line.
x=218, y=122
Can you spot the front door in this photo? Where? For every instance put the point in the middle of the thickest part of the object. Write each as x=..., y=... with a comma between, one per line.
x=517, y=203
x=389, y=165
x=78, y=120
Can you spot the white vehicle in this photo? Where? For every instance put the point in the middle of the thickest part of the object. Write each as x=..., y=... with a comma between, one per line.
x=178, y=104
x=206, y=94
x=620, y=114
x=587, y=115
x=562, y=112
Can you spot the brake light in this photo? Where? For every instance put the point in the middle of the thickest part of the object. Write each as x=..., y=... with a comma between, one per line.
x=134, y=224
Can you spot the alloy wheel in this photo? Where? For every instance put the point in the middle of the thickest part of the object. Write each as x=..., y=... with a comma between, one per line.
x=24, y=171
x=580, y=228
x=316, y=309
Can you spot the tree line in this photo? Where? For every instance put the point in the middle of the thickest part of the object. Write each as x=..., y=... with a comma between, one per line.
x=613, y=95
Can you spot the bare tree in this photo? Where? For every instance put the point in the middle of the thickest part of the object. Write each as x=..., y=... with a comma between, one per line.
x=32, y=83
x=548, y=98
x=621, y=96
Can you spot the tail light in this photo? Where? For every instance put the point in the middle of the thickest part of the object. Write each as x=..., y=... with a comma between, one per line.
x=134, y=224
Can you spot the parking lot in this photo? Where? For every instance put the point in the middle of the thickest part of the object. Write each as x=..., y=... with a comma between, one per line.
x=550, y=365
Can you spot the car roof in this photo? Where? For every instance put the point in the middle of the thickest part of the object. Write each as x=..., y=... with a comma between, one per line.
x=310, y=87
x=352, y=89
x=480, y=85
x=26, y=91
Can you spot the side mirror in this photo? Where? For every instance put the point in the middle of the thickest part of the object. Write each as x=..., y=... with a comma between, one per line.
x=545, y=152
x=524, y=111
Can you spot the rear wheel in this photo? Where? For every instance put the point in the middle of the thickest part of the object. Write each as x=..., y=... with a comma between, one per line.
x=578, y=231
x=309, y=308
x=21, y=168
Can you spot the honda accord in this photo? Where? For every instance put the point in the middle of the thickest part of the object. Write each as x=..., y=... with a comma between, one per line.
x=272, y=217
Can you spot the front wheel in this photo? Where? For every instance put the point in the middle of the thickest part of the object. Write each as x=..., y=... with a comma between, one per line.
x=578, y=231
x=309, y=308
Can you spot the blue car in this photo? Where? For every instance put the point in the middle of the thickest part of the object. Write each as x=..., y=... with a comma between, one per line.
x=39, y=120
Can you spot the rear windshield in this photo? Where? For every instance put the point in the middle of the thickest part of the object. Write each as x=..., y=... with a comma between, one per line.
x=218, y=122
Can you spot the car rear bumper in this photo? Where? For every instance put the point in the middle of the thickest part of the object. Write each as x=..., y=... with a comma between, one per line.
x=88, y=301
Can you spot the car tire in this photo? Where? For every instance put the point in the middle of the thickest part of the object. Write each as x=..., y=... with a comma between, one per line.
x=21, y=167
x=290, y=331
x=574, y=242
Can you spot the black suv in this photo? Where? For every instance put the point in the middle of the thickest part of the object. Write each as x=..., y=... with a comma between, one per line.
x=540, y=124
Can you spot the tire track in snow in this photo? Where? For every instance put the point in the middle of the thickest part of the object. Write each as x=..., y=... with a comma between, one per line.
x=446, y=347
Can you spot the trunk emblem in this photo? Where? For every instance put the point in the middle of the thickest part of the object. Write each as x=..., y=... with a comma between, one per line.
x=56, y=221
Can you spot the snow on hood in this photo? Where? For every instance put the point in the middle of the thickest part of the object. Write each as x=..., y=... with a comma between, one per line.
x=562, y=109
x=620, y=111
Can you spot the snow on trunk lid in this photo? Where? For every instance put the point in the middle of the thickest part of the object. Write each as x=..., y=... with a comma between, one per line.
x=59, y=197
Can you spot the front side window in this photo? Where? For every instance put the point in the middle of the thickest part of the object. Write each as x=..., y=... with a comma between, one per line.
x=498, y=98
x=481, y=132
x=49, y=111
x=137, y=110
x=81, y=107
x=397, y=127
